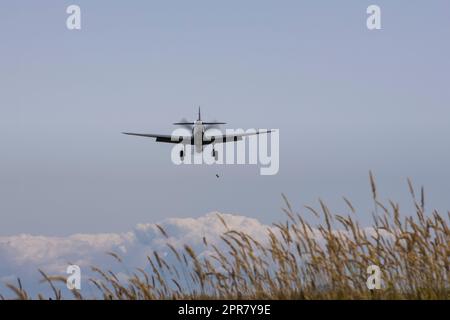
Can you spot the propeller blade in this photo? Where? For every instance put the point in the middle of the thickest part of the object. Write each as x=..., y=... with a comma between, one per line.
x=185, y=124
x=213, y=125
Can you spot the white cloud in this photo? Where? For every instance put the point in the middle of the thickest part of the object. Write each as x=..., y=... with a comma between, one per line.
x=22, y=255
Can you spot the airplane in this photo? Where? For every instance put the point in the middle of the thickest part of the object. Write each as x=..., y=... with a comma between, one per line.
x=198, y=137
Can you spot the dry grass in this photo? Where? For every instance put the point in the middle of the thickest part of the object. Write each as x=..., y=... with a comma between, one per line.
x=300, y=261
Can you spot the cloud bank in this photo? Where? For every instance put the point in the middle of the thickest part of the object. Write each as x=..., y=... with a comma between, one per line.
x=22, y=255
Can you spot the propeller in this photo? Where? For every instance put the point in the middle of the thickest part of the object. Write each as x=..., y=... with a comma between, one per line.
x=186, y=124
x=213, y=125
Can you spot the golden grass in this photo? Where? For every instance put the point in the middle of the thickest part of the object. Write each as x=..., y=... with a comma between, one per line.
x=300, y=261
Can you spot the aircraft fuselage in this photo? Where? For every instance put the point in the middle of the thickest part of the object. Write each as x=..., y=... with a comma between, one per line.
x=198, y=131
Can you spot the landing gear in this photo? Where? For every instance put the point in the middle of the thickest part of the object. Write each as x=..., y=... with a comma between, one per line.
x=215, y=154
x=182, y=155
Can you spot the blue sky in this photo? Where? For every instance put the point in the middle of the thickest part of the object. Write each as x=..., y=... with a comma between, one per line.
x=345, y=99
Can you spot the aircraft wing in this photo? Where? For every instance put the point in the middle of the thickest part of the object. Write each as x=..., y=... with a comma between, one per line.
x=163, y=138
x=224, y=138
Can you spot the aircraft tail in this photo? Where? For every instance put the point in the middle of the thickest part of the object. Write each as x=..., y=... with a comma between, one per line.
x=187, y=123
